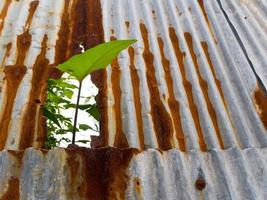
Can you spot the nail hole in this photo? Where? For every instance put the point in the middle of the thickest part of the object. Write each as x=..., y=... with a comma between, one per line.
x=200, y=184
x=37, y=101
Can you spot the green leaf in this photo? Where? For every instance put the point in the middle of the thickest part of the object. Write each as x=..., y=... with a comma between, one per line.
x=84, y=127
x=83, y=141
x=51, y=116
x=95, y=58
x=94, y=113
x=69, y=93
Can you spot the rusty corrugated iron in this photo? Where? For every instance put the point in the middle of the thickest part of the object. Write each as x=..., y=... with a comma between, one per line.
x=35, y=37
x=64, y=174
x=191, y=81
x=110, y=173
x=193, y=87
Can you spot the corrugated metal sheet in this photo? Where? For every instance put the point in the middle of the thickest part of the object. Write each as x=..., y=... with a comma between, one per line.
x=29, y=34
x=193, y=87
x=126, y=174
x=35, y=37
x=64, y=174
x=196, y=79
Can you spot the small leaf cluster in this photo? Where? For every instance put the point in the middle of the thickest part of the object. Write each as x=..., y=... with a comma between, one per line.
x=59, y=96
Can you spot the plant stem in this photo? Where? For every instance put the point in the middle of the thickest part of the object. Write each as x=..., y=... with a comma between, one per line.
x=76, y=113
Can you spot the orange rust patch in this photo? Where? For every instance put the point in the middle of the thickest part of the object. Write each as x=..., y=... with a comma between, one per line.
x=204, y=87
x=63, y=36
x=201, y=4
x=162, y=121
x=12, y=192
x=104, y=172
x=94, y=35
x=13, y=78
x=120, y=139
x=33, y=6
x=188, y=87
x=173, y=104
x=137, y=97
x=14, y=75
x=260, y=100
x=7, y=53
x=74, y=164
x=3, y=14
x=33, y=110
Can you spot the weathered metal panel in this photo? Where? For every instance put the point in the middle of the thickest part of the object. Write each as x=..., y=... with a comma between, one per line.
x=35, y=36
x=193, y=87
x=191, y=81
x=64, y=174
x=128, y=174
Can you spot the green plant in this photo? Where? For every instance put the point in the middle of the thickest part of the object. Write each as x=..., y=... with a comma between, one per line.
x=78, y=66
x=59, y=104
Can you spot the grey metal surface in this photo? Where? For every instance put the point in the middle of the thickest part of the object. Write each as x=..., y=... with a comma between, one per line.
x=151, y=174
x=228, y=174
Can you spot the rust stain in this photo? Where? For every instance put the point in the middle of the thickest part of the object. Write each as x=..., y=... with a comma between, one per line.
x=127, y=23
x=162, y=121
x=13, y=78
x=104, y=172
x=137, y=97
x=33, y=6
x=217, y=81
x=7, y=53
x=188, y=87
x=137, y=187
x=260, y=101
x=61, y=54
x=94, y=35
x=173, y=104
x=3, y=14
x=120, y=139
x=14, y=75
x=75, y=184
x=17, y=154
x=12, y=192
x=41, y=67
x=190, y=9
x=201, y=4
x=204, y=87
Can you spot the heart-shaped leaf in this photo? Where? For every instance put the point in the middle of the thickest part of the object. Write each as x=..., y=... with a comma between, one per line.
x=95, y=58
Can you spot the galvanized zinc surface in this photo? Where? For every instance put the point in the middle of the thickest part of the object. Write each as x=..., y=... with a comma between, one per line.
x=112, y=173
x=193, y=87
x=196, y=79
